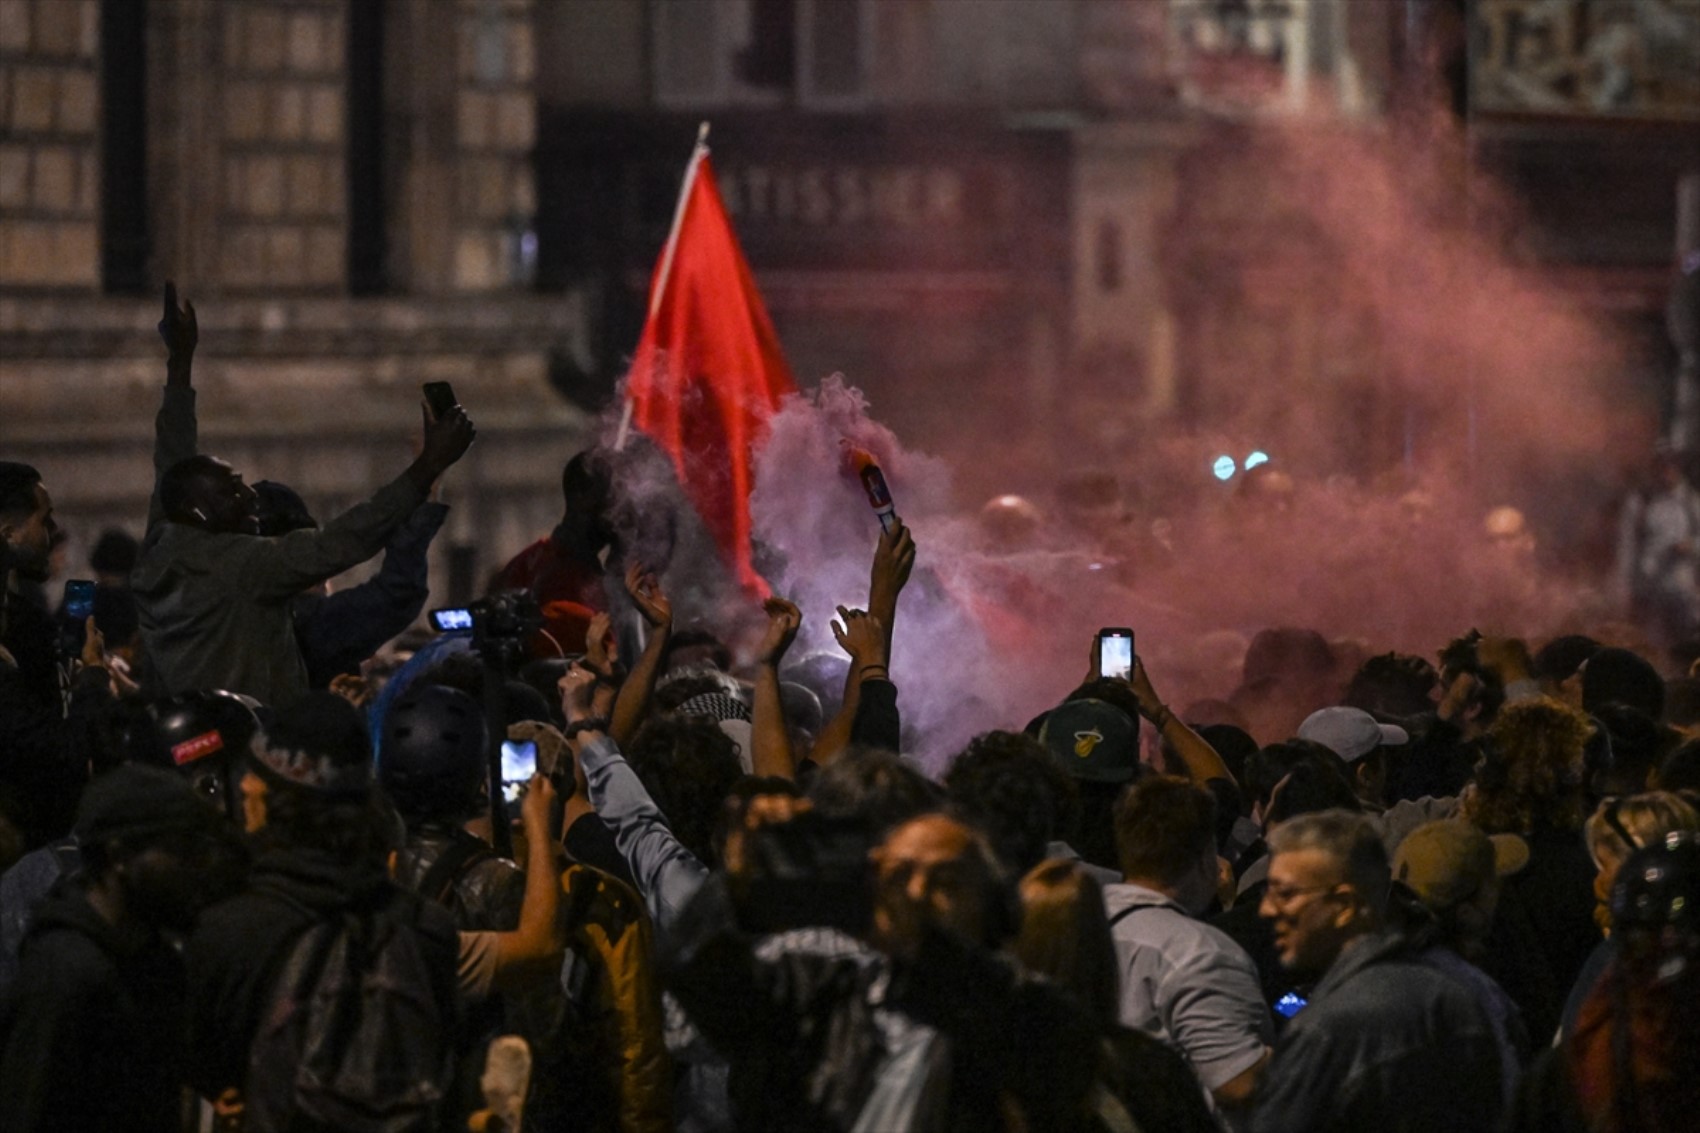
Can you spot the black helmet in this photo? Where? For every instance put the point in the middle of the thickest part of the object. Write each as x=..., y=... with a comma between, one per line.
x=1659, y=885
x=204, y=725
x=432, y=761
x=205, y=733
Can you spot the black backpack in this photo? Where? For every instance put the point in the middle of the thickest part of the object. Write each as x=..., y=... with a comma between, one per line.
x=358, y=1037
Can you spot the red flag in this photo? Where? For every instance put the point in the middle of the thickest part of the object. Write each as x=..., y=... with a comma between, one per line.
x=708, y=372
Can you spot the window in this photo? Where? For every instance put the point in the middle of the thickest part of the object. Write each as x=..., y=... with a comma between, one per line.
x=760, y=52
x=126, y=243
x=366, y=235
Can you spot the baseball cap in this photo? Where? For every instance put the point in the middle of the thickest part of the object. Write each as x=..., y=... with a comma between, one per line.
x=1350, y=733
x=1446, y=862
x=1092, y=740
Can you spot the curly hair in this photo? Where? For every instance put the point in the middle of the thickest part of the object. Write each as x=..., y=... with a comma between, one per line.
x=1009, y=786
x=687, y=764
x=1531, y=775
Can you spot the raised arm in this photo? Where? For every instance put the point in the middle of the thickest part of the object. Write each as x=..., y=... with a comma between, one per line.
x=175, y=431
x=532, y=949
x=861, y=636
x=1202, y=762
x=633, y=700
x=280, y=568
x=770, y=739
x=667, y=874
x=894, y=560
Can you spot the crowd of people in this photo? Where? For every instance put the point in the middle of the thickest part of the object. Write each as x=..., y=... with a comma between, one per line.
x=579, y=867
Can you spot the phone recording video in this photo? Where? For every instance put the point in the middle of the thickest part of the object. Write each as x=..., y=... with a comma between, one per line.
x=519, y=764
x=440, y=396
x=1115, y=652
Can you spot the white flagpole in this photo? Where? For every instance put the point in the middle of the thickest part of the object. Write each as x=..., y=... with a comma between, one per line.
x=698, y=152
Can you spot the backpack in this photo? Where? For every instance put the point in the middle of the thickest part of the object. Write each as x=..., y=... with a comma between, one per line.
x=358, y=1037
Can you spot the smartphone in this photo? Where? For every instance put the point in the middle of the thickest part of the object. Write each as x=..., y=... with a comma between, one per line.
x=440, y=396
x=77, y=609
x=79, y=601
x=1115, y=652
x=519, y=764
x=1290, y=1004
x=451, y=619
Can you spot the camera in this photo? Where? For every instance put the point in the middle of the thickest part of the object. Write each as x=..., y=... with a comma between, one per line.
x=500, y=624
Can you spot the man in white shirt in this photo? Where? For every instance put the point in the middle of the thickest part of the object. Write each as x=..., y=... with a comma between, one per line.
x=1183, y=981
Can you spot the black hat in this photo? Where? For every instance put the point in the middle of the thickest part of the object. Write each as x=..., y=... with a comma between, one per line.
x=135, y=802
x=1092, y=739
x=317, y=743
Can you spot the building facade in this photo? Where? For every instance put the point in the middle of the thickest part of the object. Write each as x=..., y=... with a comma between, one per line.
x=1032, y=231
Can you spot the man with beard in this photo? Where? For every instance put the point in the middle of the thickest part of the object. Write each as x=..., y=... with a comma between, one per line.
x=40, y=774
x=91, y=1033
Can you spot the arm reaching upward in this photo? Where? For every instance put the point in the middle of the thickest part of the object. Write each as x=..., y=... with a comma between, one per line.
x=769, y=737
x=633, y=699
x=176, y=433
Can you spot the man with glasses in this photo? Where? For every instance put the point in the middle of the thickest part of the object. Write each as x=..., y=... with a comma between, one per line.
x=1385, y=1042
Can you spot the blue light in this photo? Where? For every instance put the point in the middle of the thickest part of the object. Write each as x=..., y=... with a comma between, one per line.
x=1224, y=468
x=1256, y=458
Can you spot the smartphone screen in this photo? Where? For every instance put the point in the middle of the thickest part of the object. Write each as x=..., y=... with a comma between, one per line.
x=451, y=619
x=79, y=600
x=440, y=396
x=519, y=764
x=1115, y=652
x=1290, y=1004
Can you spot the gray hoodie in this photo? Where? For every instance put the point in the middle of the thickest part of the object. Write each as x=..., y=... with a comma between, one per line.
x=215, y=606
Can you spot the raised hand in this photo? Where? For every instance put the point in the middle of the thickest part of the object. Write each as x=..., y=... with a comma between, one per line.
x=894, y=559
x=861, y=636
x=534, y=811
x=1150, y=704
x=647, y=595
x=446, y=438
x=600, y=650
x=178, y=327
x=577, y=686
x=783, y=620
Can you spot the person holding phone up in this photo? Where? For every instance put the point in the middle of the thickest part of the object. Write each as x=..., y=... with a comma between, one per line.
x=213, y=595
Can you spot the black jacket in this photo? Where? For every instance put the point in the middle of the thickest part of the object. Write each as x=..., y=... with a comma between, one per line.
x=340, y=631
x=809, y=1019
x=1386, y=1044
x=43, y=731
x=92, y=1030
x=240, y=946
